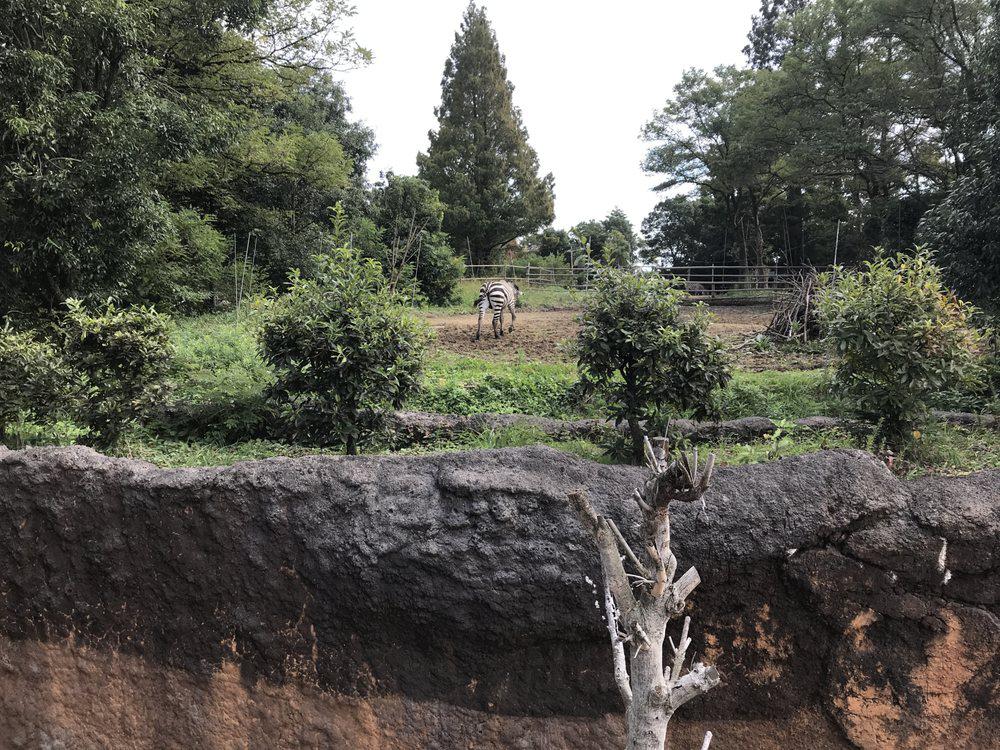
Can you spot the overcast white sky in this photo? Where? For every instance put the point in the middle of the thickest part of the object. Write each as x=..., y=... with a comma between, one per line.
x=586, y=76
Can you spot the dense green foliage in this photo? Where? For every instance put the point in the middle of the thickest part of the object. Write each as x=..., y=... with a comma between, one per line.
x=35, y=384
x=479, y=158
x=121, y=358
x=637, y=353
x=611, y=241
x=853, y=120
x=125, y=126
x=404, y=235
x=342, y=351
x=184, y=268
x=901, y=338
x=964, y=229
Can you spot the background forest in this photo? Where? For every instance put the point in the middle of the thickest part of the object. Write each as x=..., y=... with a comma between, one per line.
x=148, y=148
x=873, y=118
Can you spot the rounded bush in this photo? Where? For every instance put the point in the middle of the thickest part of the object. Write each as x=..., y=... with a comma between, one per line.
x=343, y=350
x=637, y=352
x=900, y=338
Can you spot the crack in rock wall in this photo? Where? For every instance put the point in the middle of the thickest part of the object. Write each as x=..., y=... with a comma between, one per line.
x=456, y=583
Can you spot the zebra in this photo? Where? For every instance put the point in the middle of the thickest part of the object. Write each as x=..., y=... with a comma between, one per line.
x=497, y=295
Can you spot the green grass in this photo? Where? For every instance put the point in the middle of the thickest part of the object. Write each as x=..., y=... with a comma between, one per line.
x=170, y=453
x=217, y=357
x=219, y=377
x=453, y=384
x=511, y=437
x=532, y=298
x=786, y=394
x=943, y=450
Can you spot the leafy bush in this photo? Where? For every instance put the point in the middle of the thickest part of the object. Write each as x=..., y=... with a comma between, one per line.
x=121, y=357
x=636, y=351
x=185, y=265
x=217, y=381
x=901, y=337
x=35, y=386
x=342, y=351
x=438, y=271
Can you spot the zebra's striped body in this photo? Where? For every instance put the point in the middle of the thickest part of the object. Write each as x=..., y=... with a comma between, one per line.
x=497, y=296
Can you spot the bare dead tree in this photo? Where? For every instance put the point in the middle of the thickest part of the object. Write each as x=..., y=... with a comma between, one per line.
x=639, y=605
x=405, y=249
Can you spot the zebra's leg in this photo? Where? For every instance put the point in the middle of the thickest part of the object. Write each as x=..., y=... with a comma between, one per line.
x=513, y=317
x=479, y=327
x=498, y=323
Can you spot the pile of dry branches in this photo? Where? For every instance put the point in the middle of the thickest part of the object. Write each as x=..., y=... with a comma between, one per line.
x=639, y=605
x=795, y=318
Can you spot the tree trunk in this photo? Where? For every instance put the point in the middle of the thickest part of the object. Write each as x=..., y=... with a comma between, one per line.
x=638, y=436
x=641, y=604
x=648, y=713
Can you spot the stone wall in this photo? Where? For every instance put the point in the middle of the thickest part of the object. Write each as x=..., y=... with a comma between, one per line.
x=440, y=601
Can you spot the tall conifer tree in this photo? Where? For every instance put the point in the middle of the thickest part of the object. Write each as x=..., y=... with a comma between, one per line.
x=479, y=159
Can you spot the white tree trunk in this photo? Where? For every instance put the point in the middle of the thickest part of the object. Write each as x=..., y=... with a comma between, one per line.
x=640, y=609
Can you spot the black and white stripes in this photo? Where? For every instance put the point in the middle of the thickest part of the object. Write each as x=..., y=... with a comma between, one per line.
x=497, y=296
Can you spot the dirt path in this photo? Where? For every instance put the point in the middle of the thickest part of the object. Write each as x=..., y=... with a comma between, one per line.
x=537, y=335
x=547, y=335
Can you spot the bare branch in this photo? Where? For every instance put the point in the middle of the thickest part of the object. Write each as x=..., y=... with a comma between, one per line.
x=643, y=506
x=707, y=742
x=617, y=647
x=607, y=545
x=627, y=549
x=585, y=510
x=698, y=681
x=672, y=674
x=614, y=571
x=684, y=586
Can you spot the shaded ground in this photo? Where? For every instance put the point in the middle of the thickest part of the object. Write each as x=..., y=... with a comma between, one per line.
x=547, y=336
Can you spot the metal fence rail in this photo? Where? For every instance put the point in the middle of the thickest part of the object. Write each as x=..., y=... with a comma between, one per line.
x=757, y=282
x=572, y=278
x=711, y=283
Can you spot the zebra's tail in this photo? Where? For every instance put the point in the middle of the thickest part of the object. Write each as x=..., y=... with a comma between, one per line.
x=483, y=303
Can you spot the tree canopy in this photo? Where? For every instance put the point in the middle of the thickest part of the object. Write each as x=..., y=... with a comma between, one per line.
x=854, y=118
x=479, y=158
x=117, y=118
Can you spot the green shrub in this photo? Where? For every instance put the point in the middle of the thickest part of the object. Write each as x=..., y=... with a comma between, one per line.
x=636, y=352
x=342, y=351
x=121, y=357
x=35, y=386
x=438, y=271
x=218, y=381
x=185, y=266
x=900, y=337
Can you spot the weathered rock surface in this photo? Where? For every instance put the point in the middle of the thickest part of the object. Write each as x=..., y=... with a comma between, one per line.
x=454, y=586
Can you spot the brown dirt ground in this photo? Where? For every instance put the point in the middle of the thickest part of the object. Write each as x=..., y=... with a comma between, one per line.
x=546, y=336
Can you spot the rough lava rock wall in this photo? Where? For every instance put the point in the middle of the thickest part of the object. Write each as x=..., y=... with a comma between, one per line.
x=440, y=601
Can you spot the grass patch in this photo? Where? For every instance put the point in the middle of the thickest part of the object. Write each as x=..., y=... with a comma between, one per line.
x=217, y=357
x=510, y=437
x=170, y=453
x=454, y=384
x=786, y=394
x=532, y=298
x=949, y=449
